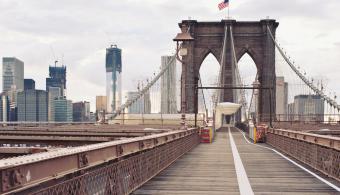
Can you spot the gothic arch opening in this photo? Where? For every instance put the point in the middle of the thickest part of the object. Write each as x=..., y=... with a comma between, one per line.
x=208, y=72
x=248, y=71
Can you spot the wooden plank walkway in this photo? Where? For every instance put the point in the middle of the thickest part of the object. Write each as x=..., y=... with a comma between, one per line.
x=209, y=169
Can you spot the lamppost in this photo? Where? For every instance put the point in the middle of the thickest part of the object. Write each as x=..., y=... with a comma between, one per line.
x=180, y=40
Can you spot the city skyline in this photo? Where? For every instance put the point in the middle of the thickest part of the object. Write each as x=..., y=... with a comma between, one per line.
x=169, y=97
x=62, y=34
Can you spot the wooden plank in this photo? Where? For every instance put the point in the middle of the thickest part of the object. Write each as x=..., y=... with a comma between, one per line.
x=269, y=173
x=209, y=169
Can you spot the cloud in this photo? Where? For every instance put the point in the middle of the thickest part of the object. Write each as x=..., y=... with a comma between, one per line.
x=80, y=30
x=321, y=35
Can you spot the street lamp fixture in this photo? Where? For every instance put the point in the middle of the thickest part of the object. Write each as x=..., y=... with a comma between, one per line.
x=181, y=38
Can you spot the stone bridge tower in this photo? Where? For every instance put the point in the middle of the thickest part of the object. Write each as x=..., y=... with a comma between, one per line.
x=249, y=37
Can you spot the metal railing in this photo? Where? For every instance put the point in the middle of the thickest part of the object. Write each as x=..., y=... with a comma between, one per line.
x=37, y=123
x=158, y=119
x=116, y=167
x=318, y=151
x=304, y=118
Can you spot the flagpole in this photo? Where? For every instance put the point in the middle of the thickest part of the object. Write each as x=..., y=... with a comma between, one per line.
x=228, y=9
x=228, y=13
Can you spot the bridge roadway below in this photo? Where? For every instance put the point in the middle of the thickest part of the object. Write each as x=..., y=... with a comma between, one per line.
x=210, y=169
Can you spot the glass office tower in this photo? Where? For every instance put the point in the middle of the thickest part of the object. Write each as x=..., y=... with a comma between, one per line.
x=32, y=105
x=57, y=78
x=12, y=74
x=113, y=78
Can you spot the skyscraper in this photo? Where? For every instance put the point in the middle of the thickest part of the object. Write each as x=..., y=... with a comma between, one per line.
x=281, y=98
x=63, y=110
x=81, y=111
x=140, y=106
x=168, y=86
x=113, y=78
x=32, y=105
x=101, y=103
x=53, y=93
x=308, y=108
x=57, y=78
x=201, y=106
x=147, y=103
x=4, y=108
x=29, y=84
x=12, y=74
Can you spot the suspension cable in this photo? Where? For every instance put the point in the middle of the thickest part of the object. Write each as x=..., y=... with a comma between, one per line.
x=329, y=100
x=220, y=79
x=237, y=73
x=252, y=97
x=205, y=105
x=145, y=89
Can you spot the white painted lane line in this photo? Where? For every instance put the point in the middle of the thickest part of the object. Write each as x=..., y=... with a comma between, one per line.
x=242, y=178
x=295, y=163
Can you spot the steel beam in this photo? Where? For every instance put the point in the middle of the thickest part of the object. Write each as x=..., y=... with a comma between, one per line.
x=75, y=134
x=59, y=141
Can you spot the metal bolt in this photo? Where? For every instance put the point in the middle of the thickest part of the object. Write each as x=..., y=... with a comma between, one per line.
x=85, y=159
x=141, y=145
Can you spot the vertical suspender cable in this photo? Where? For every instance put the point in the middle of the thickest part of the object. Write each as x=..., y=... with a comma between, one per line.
x=220, y=79
x=310, y=84
x=237, y=74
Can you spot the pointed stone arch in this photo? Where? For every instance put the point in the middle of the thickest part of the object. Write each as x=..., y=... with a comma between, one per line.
x=205, y=54
x=254, y=56
x=249, y=37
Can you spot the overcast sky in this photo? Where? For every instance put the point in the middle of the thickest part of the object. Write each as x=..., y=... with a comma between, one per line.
x=78, y=31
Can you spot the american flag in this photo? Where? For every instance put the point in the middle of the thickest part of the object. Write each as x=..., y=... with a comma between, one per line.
x=223, y=4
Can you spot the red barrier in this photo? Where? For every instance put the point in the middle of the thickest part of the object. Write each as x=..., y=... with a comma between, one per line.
x=261, y=132
x=207, y=135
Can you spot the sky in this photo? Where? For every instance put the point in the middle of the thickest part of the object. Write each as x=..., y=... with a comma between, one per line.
x=76, y=32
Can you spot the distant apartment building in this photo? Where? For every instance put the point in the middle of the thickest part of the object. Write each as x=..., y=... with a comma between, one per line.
x=101, y=103
x=53, y=93
x=8, y=109
x=290, y=112
x=308, y=108
x=201, y=106
x=81, y=111
x=4, y=108
x=141, y=105
x=136, y=107
x=12, y=82
x=13, y=109
x=281, y=99
x=168, y=86
x=63, y=111
x=32, y=105
x=12, y=74
x=147, y=103
x=57, y=78
x=92, y=117
x=29, y=84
